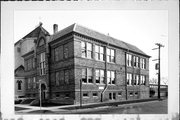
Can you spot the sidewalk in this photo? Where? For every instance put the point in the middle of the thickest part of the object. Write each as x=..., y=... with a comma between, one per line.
x=74, y=108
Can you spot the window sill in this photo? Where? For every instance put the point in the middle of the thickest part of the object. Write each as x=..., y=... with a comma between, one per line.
x=99, y=60
x=85, y=97
x=88, y=83
x=87, y=58
x=95, y=96
x=111, y=62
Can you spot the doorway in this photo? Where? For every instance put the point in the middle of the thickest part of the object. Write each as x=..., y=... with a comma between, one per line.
x=43, y=91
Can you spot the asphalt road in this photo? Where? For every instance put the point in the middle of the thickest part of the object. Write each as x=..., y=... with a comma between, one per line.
x=153, y=107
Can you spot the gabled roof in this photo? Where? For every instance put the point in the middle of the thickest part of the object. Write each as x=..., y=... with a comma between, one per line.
x=99, y=36
x=35, y=32
x=21, y=67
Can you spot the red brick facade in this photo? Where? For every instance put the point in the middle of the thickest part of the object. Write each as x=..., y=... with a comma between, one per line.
x=64, y=67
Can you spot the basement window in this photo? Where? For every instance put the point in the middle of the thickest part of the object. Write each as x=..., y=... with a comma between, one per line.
x=85, y=95
x=119, y=93
x=136, y=93
x=130, y=93
x=112, y=96
x=95, y=94
x=67, y=95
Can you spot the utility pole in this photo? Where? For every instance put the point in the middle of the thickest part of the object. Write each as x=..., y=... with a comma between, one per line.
x=159, y=67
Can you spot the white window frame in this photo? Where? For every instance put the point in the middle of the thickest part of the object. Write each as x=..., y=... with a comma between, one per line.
x=100, y=75
x=99, y=51
x=110, y=78
x=142, y=63
x=86, y=50
x=34, y=82
x=87, y=75
x=129, y=60
x=143, y=80
x=42, y=64
x=110, y=55
x=129, y=79
x=111, y=95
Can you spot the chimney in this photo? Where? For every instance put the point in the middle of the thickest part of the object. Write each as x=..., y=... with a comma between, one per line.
x=55, y=28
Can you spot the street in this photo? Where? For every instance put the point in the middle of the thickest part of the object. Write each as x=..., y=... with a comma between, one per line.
x=152, y=107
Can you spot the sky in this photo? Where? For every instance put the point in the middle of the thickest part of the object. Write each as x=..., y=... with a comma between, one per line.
x=142, y=28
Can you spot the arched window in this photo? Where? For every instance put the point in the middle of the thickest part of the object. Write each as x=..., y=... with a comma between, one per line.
x=41, y=42
x=19, y=82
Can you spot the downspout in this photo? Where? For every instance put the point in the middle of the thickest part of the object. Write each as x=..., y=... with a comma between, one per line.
x=126, y=74
x=48, y=66
x=106, y=84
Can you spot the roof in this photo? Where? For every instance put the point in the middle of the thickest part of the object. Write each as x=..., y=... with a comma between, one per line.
x=99, y=36
x=35, y=32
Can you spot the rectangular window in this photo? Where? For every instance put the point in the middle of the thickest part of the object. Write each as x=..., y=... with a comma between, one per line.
x=143, y=80
x=97, y=56
x=83, y=49
x=102, y=54
x=136, y=61
x=135, y=79
x=136, y=93
x=57, y=78
x=29, y=64
x=34, y=82
x=110, y=77
x=66, y=51
x=119, y=93
x=110, y=55
x=99, y=53
x=61, y=77
x=97, y=76
x=112, y=96
x=56, y=54
x=95, y=94
x=100, y=76
x=29, y=83
x=84, y=77
x=34, y=62
x=89, y=50
x=86, y=49
x=130, y=93
x=19, y=82
x=66, y=76
x=129, y=79
x=142, y=63
x=25, y=65
x=85, y=95
x=42, y=63
x=129, y=60
x=89, y=75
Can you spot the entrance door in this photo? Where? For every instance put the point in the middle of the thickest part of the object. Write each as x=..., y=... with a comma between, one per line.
x=43, y=93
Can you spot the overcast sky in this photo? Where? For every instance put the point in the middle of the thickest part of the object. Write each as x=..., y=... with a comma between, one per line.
x=142, y=28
